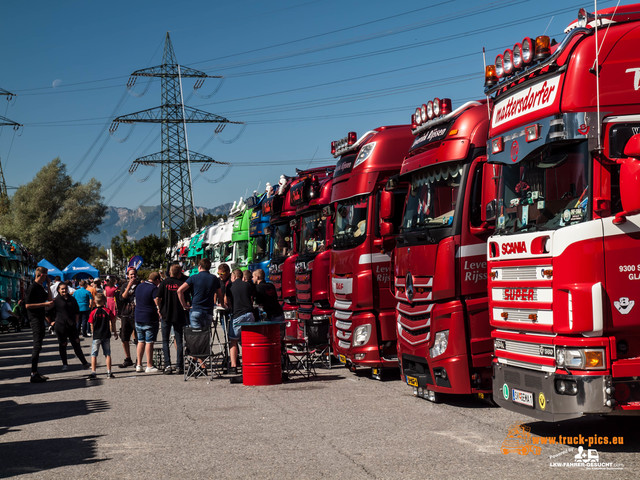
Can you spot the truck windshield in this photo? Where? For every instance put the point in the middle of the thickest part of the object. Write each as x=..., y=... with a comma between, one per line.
x=312, y=234
x=223, y=252
x=282, y=241
x=242, y=252
x=431, y=202
x=351, y=222
x=260, y=248
x=547, y=190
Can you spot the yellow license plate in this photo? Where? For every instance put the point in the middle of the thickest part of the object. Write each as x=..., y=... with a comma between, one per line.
x=342, y=358
x=413, y=381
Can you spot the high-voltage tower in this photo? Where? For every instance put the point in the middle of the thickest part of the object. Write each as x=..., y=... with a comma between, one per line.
x=4, y=121
x=176, y=194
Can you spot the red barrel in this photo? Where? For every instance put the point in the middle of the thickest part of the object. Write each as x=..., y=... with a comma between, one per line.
x=261, y=354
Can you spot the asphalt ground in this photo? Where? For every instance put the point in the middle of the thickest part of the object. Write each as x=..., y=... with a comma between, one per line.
x=336, y=425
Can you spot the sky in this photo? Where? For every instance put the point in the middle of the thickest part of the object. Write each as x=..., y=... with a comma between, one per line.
x=297, y=73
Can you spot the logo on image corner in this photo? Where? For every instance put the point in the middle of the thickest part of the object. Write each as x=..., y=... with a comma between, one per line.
x=515, y=148
x=409, y=286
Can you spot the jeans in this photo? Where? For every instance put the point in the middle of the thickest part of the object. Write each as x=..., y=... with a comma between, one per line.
x=37, y=329
x=83, y=323
x=166, y=336
x=147, y=333
x=105, y=343
x=236, y=325
x=199, y=319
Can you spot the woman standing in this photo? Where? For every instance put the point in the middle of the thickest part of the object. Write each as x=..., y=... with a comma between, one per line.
x=67, y=314
x=110, y=292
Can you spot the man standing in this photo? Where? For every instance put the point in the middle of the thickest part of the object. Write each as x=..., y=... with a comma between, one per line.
x=267, y=297
x=172, y=315
x=242, y=293
x=147, y=320
x=36, y=300
x=85, y=303
x=126, y=310
x=204, y=287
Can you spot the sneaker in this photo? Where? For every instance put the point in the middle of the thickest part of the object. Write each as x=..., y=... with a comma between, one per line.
x=168, y=371
x=44, y=376
x=127, y=363
x=37, y=378
x=65, y=368
x=138, y=368
x=110, y=375
x=149, y=369
x=93, y=376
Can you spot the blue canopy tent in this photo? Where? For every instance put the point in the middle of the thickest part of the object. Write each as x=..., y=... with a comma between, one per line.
x=52, y=270
x=80, y=269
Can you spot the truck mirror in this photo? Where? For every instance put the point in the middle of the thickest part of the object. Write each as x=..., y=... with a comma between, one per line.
x=490, y=177
x=632, y=148
x=386, y=205
x=386, y=229
x=629, y=175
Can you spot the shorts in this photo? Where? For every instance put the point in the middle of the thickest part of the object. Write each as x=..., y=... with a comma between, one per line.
x=199, y=319
x=106, y=347
x=236, y=325
x=147, y=333
x=127, y=327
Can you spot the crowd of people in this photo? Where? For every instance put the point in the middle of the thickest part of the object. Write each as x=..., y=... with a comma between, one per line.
x=91, y=309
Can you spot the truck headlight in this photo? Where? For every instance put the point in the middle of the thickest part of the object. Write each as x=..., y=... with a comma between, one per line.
x=361, y=335
x=440, y=345
x=290, y=314
x=580, y=358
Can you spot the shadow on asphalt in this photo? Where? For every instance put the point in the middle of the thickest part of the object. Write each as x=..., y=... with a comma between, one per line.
x=596, y=427
x=13, y=414
x=30, y=456
x=26, y=388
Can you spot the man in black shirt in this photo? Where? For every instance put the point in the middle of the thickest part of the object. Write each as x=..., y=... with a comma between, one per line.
x=173, y=315
x=243, y=294
x=36, y=300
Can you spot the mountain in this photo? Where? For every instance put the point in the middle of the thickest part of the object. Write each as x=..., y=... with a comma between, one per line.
x=139, y=223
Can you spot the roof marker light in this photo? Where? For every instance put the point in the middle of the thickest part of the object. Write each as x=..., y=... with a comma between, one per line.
x=333, y=148
x=423, y=113
x=430, y=109
x=527, y=50
x=582, y=18
x=445, y=106
x=436, y=107
x=352, y=138
x=418, y=116
x=414, y=124
x=507, y=65
x=543, y=49
x=499, y=66
x=517, y=56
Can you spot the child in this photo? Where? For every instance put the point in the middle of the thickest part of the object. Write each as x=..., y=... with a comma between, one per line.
x=103, y=324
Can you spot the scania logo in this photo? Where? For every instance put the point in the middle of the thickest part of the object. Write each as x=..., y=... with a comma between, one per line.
x=409, y=286
x=514, y=247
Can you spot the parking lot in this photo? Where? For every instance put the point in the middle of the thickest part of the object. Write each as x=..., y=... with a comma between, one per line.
x=336, y=425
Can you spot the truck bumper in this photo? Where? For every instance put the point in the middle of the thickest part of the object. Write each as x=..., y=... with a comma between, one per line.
x=367, y=355
x=548, y=404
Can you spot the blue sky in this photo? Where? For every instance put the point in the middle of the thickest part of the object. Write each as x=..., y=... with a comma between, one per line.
x=299, y=73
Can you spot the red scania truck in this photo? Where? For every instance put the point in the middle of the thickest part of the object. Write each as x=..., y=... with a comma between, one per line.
x=564, y=260
x=440, y=262
x=283, y=251
x=364, y=325
x=311, y=195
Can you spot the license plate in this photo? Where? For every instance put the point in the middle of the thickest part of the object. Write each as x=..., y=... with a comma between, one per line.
x=412, y=381
x=524, y=398
x=342, y=359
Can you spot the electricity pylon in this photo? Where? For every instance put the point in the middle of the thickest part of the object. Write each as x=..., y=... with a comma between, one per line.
x=176, y=193
x=4, y=197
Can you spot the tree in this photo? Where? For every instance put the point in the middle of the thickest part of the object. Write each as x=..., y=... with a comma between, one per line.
x=53, y=215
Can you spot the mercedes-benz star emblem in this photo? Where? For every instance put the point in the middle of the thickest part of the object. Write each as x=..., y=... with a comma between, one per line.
x=409, y=286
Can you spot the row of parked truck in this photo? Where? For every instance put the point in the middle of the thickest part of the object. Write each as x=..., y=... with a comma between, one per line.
x=490, y=248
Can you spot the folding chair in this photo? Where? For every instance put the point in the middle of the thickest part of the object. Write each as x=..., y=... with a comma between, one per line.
x=321, y=356
x=197, y=352
x=297, y=359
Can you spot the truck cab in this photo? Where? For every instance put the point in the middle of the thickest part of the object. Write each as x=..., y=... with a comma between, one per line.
x=564, y=258
x=259, y=237
x=440, y=264
x=242, y=248
x=364, y=326
x=310, y=193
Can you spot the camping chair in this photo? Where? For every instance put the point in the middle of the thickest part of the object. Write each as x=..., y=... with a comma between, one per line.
x=197, y=352
x=297, y=359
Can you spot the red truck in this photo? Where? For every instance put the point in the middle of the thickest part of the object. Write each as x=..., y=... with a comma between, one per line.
x=310, y=193
x=364, y=325
x=283, y=251
x=564, y=260
x=440, y=264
